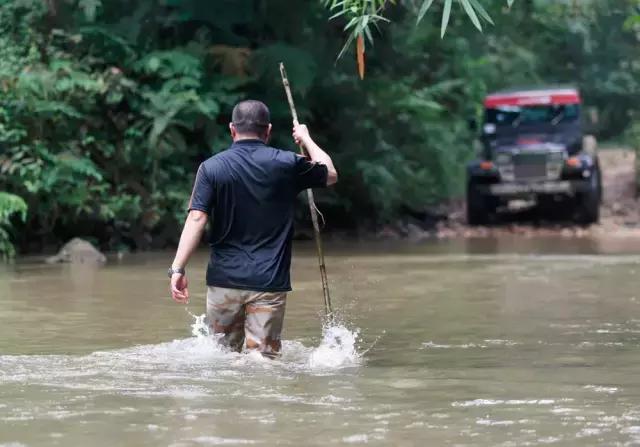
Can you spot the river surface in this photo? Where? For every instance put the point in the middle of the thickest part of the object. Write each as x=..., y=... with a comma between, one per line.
x=476, y=343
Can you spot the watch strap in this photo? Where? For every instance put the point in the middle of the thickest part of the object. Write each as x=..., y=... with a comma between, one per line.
x=172, y=271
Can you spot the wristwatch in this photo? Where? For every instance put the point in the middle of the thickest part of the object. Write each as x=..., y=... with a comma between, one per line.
x=172, y=271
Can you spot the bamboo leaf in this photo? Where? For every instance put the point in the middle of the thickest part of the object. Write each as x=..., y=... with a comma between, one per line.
x=351, y=23
x=446, y=14
x=373, y=6
x=471, y=13
x=346, y=46
x=343, y=9
x=337, y=14
x=364, y=23
x=367, y=31
x=426, y=4
x=335, y=4
x=377, y=18
x=480, y=10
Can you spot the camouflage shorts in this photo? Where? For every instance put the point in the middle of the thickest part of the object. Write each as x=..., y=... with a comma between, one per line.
x=244, y=316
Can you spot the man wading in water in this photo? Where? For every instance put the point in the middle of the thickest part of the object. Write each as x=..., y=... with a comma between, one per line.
x=250, y=190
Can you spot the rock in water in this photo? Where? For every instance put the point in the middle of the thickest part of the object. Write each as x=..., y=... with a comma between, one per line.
x=78, y=251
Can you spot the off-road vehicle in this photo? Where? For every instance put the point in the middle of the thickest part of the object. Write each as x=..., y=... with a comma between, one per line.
x=534, y=152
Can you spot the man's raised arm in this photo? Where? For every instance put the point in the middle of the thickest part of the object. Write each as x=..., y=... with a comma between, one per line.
x=316, y=154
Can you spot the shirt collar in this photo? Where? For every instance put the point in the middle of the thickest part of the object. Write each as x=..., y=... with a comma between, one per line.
x=247, y=141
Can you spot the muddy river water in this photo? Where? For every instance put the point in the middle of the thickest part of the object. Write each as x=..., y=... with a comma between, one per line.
x=470, y=343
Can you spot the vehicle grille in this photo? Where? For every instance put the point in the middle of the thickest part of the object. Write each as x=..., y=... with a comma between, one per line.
x=530, y=166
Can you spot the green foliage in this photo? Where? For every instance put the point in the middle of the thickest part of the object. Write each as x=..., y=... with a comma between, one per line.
x=108, y=106
x=587, y=44
x=10, y=205
x=92, y=126
x=406, y=137
x=362, y=15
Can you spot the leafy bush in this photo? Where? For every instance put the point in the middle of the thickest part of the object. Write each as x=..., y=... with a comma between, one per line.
x=10, y=205
x=92, y=136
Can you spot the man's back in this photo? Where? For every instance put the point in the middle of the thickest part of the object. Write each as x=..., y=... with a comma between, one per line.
x=250, y=191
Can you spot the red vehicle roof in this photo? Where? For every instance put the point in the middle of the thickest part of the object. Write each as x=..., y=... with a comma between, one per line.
x=533, y=98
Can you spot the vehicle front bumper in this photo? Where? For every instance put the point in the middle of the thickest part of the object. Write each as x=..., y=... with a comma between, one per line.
x=565, y=187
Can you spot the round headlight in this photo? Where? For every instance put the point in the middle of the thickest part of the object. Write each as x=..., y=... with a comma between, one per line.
x=489, y=128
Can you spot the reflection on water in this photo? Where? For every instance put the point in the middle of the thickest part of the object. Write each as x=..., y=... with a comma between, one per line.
x=519, y=343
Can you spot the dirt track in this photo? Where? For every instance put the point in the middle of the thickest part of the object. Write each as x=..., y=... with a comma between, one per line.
x=618, y=178
x=620, y=212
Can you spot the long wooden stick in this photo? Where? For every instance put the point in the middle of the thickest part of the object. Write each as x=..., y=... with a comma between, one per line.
x=328, y=310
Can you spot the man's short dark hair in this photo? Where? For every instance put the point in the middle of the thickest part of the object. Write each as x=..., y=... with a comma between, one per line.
x=251, y=117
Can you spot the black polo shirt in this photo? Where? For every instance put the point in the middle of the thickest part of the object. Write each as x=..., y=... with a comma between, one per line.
x=249, y=191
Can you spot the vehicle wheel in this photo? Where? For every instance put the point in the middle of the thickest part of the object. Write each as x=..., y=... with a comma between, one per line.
x=588, y=202
x=478, y=210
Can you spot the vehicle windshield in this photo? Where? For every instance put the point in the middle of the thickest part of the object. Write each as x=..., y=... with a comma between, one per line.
x=517, y=115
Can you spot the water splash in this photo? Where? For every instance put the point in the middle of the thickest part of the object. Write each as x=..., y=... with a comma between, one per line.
x=338, y=348
x=199, y=327
x=182, y=367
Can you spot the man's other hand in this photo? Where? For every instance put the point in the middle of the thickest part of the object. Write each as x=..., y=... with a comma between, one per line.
x=179, y=288
x=300, y=133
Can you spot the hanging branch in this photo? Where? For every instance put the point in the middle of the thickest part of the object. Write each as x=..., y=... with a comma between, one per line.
x=362, y=15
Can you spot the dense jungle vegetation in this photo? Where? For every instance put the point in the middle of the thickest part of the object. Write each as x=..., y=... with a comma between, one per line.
x=108, y=106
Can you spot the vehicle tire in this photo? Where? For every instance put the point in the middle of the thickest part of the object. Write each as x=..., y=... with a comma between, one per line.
x=588, y=202
x=478, y=210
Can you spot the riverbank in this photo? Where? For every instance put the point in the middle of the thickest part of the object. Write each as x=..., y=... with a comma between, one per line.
x=620, y=218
